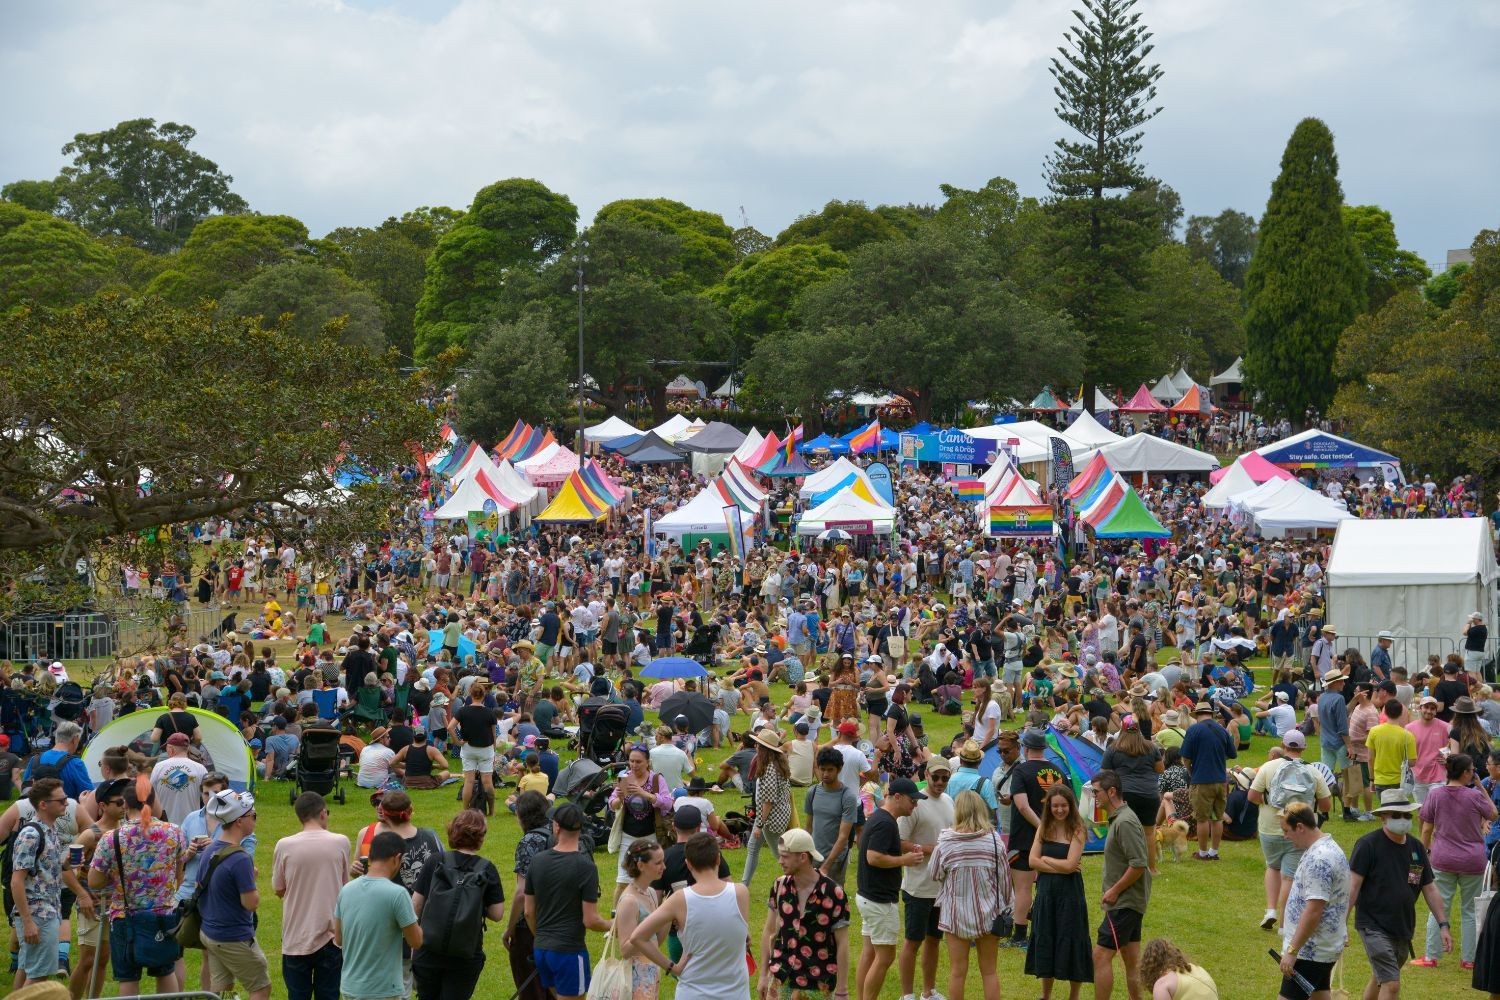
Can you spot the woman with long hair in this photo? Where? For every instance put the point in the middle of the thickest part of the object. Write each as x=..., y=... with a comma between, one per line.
x=1164, y=966
x=644, y=863
x=1465, y=733
x=1138, y=762
x=969, y=863
x=773, y=796
x=843, y=703
x=1060, y=946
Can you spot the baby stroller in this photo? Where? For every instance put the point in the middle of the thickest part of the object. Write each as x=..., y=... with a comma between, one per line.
x=602, y=730
x=317, y=764
x=587, y=784
x=704, y=643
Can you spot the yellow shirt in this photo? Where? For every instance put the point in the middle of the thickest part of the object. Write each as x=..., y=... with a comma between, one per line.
x=1389, y=745
x=532, y=781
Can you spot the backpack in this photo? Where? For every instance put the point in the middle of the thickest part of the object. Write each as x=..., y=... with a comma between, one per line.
x=1294, y=781
x=52, y=770
x=453, y=915
x=7, y=862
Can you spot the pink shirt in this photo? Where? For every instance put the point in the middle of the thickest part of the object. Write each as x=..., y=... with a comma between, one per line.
x=1459, y=816
x=1428, y=768
x=310, y=868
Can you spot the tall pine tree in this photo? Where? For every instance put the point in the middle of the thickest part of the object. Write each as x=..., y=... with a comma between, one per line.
x=1306, y=282
x=1100, y=237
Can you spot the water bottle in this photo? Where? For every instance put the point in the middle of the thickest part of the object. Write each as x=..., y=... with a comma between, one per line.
x=1296, y=977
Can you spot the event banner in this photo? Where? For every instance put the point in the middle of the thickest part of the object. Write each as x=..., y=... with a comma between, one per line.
x=1021, y=521
x=946, y=446
x=853, y=527
x=736, y=530
x=880, y=478
x=1062, y=462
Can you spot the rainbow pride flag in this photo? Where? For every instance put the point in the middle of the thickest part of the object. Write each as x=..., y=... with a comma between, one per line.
x=1025, y=520
x=970, y=490
x=866, y=440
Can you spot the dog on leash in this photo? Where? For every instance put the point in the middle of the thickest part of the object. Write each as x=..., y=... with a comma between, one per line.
x=1174, y=837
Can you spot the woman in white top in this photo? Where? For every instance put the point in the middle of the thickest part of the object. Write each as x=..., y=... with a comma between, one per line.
x=715, y=919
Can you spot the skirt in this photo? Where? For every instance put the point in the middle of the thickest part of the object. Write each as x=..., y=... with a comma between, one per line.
x=843, y=704
x=1061, y=947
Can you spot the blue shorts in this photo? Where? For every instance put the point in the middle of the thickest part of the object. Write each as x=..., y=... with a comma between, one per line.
x=565, y=973
x=38, y=961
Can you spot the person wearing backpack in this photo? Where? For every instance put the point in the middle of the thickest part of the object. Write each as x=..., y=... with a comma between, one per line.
x=62, y=762
x=228, y=899
x=457, y=892
x=1279, y=782
x=37, y=873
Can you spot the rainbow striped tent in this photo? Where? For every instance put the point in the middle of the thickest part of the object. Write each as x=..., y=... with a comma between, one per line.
x=575, y=503
x=769, y=446
x=599, y=481
x=971, y=490
x=520, y=432
x=457, y=459
x=1109, y=505
x=533, y=445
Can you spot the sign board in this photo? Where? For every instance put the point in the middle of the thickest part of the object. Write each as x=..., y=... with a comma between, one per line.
x=853, y=527
x=946, y=446
x=880, y=478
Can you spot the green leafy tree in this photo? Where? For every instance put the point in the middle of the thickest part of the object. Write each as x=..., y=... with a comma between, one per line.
x=1193, y=313
x=424, y=226
x=842, y=225
x=1444, y=288
x=994, y=216
x=226, y=251
x=39, y=196
x=1306, y=282
x=393, y=266
x=1225, y=241
x=748, y=240
x=45, y=261
x=513, y=224
x=705, y=241
x=761, y=291
x=1391, y=268
x=310, y=296
x=138, y=180
x=789, y=370
x=1165, y=202
x=514, y=370
x=239, y=415
x=1100, y=237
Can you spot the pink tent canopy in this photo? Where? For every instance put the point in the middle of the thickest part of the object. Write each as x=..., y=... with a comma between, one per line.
x=1142, y=402
x=562, y=464
x=1256, y=467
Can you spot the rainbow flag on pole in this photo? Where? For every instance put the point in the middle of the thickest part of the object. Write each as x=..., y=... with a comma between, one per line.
x=866, y=440
x=968, y=490
x=792, y=437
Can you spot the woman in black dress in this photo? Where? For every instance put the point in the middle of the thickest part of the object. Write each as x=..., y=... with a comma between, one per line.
x=1060, y=945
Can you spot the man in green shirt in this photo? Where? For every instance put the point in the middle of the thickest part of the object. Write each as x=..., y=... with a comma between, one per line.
x=372, y=918
x=1127, y=888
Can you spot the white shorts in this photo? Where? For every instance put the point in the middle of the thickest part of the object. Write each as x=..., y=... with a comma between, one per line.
x=880, y=922
x=480, y=759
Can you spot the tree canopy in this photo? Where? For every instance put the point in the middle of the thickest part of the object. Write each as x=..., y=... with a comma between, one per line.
x=761, y=291
x=842, y=225
x=1391, y=269
x=705, y=243
x=310, y=296
x=1225, y=241
x=515, y=370
x=45, y=261
x=226, y=251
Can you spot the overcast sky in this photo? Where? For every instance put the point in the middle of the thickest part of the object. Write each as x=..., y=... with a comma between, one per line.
x=345, y=113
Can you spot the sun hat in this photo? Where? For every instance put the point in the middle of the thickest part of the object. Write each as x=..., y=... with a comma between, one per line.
x=440, y=699
x=1202, y=708
x=798, y=841
x=1385, y=633
x=1170, y=717
x=1333, y=677
x=379, y=733
x=1394, y=800
x=1464, y=706
x=970, y=752
x=770, y=738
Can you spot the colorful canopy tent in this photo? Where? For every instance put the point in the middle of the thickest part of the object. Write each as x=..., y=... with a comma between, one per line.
x=777, y=466
x=715, y=438
x=538, y=444
x=1142, y=453
x=823, y=445
x=555, y=469
x=470, y=496
x=1098, y=469
x=1102, y=403
x=1195, y=402
x=1316, y=449
x=1419, y=577
x=602, y=484
x=531, y=499
x=673, y=427
x=518, y=435
x=478, y=459
x=1128, y=518
x=230, y=753
x=749, y=446
x=1142, y=402
x=743, y=482
x=608, y=430
x=850, y=512
x=767, y=450
x=699, y=518
x=1048, y=402
x=575, y=503
x=1253, y=466
x=828, y=478
x=734, y=491
x=458, y=459
x=1086, y=432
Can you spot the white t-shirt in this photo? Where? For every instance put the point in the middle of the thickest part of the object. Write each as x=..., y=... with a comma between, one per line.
x=671, y=763
x=989, y=723
x=178, y=783
x=705, y=807
x=1283, y=717
x=855, y=765
x=932, y=816
x=375, y=765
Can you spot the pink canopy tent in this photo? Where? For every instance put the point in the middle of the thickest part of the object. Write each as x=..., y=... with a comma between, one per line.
x=1256, y=467
x=554, y=470
x=1143, y=402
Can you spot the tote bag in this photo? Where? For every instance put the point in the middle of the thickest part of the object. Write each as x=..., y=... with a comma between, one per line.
x=611, y=978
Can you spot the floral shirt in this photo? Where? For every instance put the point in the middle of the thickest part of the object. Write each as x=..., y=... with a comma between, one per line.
x=805, y=953
x=38, y=852
x=532, y=843
x=1322, y=874
x=150, y=860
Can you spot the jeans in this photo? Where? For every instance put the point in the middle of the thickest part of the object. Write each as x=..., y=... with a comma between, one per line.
x=1466, y=887
x=315, y=976
x=752, y=852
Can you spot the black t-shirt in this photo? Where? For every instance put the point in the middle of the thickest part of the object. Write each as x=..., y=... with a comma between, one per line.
x=260, y=685
x=1098, y=708
x=899, y=713
x=400, y=737
x=568, y=880
x=821, y=696
x=1136, y=658
x=1031, y=778
x=494, y=892
x=476, y=724
x=1448, y=692
x=677, y=871
x=177, y=722
x=1476, y=638
x=881, y=834
x=1393, y=875
x=980, y=641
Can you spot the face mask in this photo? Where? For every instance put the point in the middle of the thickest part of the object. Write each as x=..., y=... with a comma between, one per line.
x=1400, y=827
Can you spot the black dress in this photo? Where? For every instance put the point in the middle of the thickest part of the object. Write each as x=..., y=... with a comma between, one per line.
x=1487, y=951
x=1061, y=947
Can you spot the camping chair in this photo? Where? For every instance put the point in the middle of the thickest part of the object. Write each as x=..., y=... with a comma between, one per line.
x=328, y=704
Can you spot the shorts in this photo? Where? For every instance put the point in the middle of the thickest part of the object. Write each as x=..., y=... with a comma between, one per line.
x=984, y=668
x=1145, y=807
x=228, y=962
x=1336, y=759
x=1208, y=801
x=1386, y=954
x=1018, y=849
x=622, y=877
x=38, y=961
x=481, y=759
x=90, y=932
x=1012, y=673
x=565, y=973
x=921, y=919
x=543, y=651
x=121, y=958
x=1281, y=854
x=1119, y=927
x=1317, y=974
x=610, y=647
x=881, y=922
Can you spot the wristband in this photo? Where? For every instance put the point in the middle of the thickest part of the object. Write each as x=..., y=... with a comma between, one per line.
x=1444, y=924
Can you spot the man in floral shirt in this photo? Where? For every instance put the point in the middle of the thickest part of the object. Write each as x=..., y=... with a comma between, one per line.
x=806, y=935
x=36, y=883
x=1315, y=928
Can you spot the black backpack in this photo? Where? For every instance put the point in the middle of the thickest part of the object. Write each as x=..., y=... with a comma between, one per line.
x=52, y=770
x=453, y=914
x=7, y=863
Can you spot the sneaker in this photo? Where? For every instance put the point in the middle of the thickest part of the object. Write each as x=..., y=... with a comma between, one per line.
x=908, y=996
x=935, y=995
x=1268, y=921
x=1365, y=817
x=1424, y=963
x=1202, y=856
x=1213, y=856
x=1350, y=816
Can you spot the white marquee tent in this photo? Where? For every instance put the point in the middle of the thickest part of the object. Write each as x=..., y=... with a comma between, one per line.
x=845, y=507
x=610, y=429
x=674, y=428
x=830, y=476
x=1149, y=453
x=1281, y=505
x=1086, y=432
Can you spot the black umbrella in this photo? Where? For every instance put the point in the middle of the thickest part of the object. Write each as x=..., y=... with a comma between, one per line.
x=698, y=709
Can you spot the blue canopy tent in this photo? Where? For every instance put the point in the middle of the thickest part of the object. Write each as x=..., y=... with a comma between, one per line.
x=620, y=443
x=923, y=428
x=823, y=445
x=1315, y=449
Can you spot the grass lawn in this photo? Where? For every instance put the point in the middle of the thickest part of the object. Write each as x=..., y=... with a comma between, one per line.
x=1211, y=911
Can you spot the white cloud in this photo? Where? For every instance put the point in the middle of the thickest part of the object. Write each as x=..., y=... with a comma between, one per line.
x=343, y=113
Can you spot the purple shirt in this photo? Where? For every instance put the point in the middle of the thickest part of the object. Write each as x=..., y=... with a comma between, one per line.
x=1457, y=813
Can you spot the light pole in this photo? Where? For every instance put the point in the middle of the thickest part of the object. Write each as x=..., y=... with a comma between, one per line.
x=580, y=258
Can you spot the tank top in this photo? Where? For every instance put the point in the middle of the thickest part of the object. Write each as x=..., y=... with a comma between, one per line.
x=1195, y=984
x=418, y=764
x=714, y=934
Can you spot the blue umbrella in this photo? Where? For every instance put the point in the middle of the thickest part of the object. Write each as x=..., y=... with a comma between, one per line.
x=672, y=668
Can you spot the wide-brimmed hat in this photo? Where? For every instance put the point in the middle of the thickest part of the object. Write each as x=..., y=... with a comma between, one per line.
x=523, y=644
x=379, y=734
x=1138, y=691
x=970, y=752
x=1385, y=633
x=1170, y=717
x=1395, y=800
x=1464, y=706
x=1068, y=670
x=1329, y=628
x=440, y=699
x=1334, y=676
x=770, y=738
x=1203, y=708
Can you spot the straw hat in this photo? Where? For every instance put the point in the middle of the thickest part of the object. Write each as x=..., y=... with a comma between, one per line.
x=770, y=738
x=970, y=752
x=1394, y=800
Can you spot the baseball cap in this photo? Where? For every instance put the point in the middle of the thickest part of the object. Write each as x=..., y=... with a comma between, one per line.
x=797, y=840
x=687, y=818
x=1294, y=739
x=939, y=764
x=566, y=815
x=228, y=805
x=177, y=740
x=907, y=787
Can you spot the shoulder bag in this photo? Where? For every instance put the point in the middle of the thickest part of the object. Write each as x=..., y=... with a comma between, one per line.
x=1004, y=923
x=189, y=932
x=151, y=943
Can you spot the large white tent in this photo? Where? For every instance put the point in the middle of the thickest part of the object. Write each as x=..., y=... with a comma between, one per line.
x=1035, y=437
x=702, y=515
x=1102, y=403
x=469, y=498
x=749, y=446
x=532, y=499
x=1149, y=453
x=674, y=428
x=1086, y=432
x=1236, y=481
x=610, y=429
x=830, y=476
x=1419, y=577
x=1281, y=505
x=845, y=507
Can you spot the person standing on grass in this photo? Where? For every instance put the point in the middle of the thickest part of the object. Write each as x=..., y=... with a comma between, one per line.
x=882, y=855
x=976, y=891
x=439, y=973
x=1127, y=890
x=562, y=903
x=1206, y=750
x=1334, y=739
x=308, y=870
x=474, y=723
x=1028, y=783
x=714, y=915
x=1274, y=792
x=1138, y=761
x=1391, y=745
x=1315, y=930
x=805, y=943
x=1060, y=916
x=536, y=837
x=1454, y=820
x=1389, y=870
x=36, y=883
x=1431, y=735
x=110, y=801
x=229, y=899
x=919, y=890
x=829, y=812
x=373, y=922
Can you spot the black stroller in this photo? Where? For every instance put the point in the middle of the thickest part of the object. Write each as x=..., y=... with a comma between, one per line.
x=602, y=730
x=318, y=763
x=587, y=784
x=704, y=643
